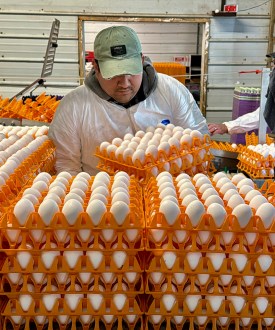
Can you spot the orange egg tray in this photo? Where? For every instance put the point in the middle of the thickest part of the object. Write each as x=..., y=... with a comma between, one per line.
x=143, y=173
x=42, y=109
x=255, y=165
x=42, y=160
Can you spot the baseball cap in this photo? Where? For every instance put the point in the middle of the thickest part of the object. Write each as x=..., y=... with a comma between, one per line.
x=118, y=51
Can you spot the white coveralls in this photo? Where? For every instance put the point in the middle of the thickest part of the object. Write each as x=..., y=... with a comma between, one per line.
x=83, y=120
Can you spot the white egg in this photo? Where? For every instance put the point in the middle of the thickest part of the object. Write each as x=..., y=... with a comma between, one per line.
x=251, y=194
x=57, y=191
x=210, y=191
x=257, y=201
x=120, y=211
x=236, y=178
x=266, y=212
x=187, y=192
x=218, y=176
x=245, y=181
x=75, y=196
x=234, y=201
x=96, y=209
x=22, y=210
x=188, y=199
x=226, y=187
x=218, y=213
x=170, y=210
x=243, y=213
x=47, y=209
x=182, y=176
x=245, y=189
x=71, y=210
x=195, y=211
x=65, y=175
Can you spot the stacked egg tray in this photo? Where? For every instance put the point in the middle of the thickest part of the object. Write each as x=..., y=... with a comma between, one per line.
x=164, y=148
x=39, y=160
x=41, y=109
x=204, y=273
x=255, y=164
x=69, y=266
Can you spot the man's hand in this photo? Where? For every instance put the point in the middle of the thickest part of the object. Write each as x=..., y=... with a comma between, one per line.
x=217, y=128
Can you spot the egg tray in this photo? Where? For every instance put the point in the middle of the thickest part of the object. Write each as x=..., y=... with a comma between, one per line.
x=133, y=262
x=255, y=165
x=65, y=236
x=156, y=307
x=226, y=146
x=143, y=173
x=65, y=283
x=41, y=160
x=253, y=139
x=219, y=284
x=84, y=307
x=42, y=109
x=169, y=322
x=75, y=323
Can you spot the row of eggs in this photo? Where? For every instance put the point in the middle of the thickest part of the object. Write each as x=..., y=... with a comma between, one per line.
x=73, y=194
x=35, y=131
x=201, y=195
x=154, y=143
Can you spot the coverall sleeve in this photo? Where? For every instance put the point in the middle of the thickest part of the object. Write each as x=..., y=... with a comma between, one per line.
x=64, y=132
x=244, y=123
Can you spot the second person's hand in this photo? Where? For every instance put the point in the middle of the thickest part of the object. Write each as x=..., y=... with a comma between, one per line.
x=217, y=128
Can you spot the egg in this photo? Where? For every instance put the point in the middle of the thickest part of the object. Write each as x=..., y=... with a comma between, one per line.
x=257, y=201
x=243, y=213
x=186, y=140
x=22, y=210
x=215, y=301
x=65, y=175
x=47, y=209
x=71, y=210
x=218, y=176
x=192, y=298
x=32, y=191
x=234, y=201
x=168, y=191
x=72, y=256
x=251, y=194
x=121, y=196
x=49, y=299
x=75, y=196
x=245, y=181
x=222, y=181
x=202, y=180
x=182, y=176
x=205, y=187
x=120, y=211
x=237, y=301
x=187, y=192
x=79, y=184
x=218, y=213
x=195, y=211
x=96, y=209
x=244, y=189
x=210, y=191
x=226, y=187
x=266, y=212
x=236, y=178
x=170, y=211
x=48, y=257
x=188, y=198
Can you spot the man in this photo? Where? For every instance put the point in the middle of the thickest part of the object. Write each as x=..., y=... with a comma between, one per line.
x=122, y=94
x=249, y=121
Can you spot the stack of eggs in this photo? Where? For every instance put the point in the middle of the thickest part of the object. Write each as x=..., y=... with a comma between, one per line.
x=71, y=252
x=258, y=160
x=162, y=148
x=211, y=244
x=23, y=152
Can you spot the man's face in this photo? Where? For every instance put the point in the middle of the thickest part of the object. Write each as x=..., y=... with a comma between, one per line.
x=121, y=88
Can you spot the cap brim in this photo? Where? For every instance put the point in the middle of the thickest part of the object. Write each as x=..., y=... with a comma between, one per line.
x=118, y=67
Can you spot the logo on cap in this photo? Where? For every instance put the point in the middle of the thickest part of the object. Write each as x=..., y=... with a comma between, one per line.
x=118, y=50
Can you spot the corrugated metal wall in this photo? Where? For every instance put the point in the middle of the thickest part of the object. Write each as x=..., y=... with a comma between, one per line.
x=235, y=43
x=24, y=40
